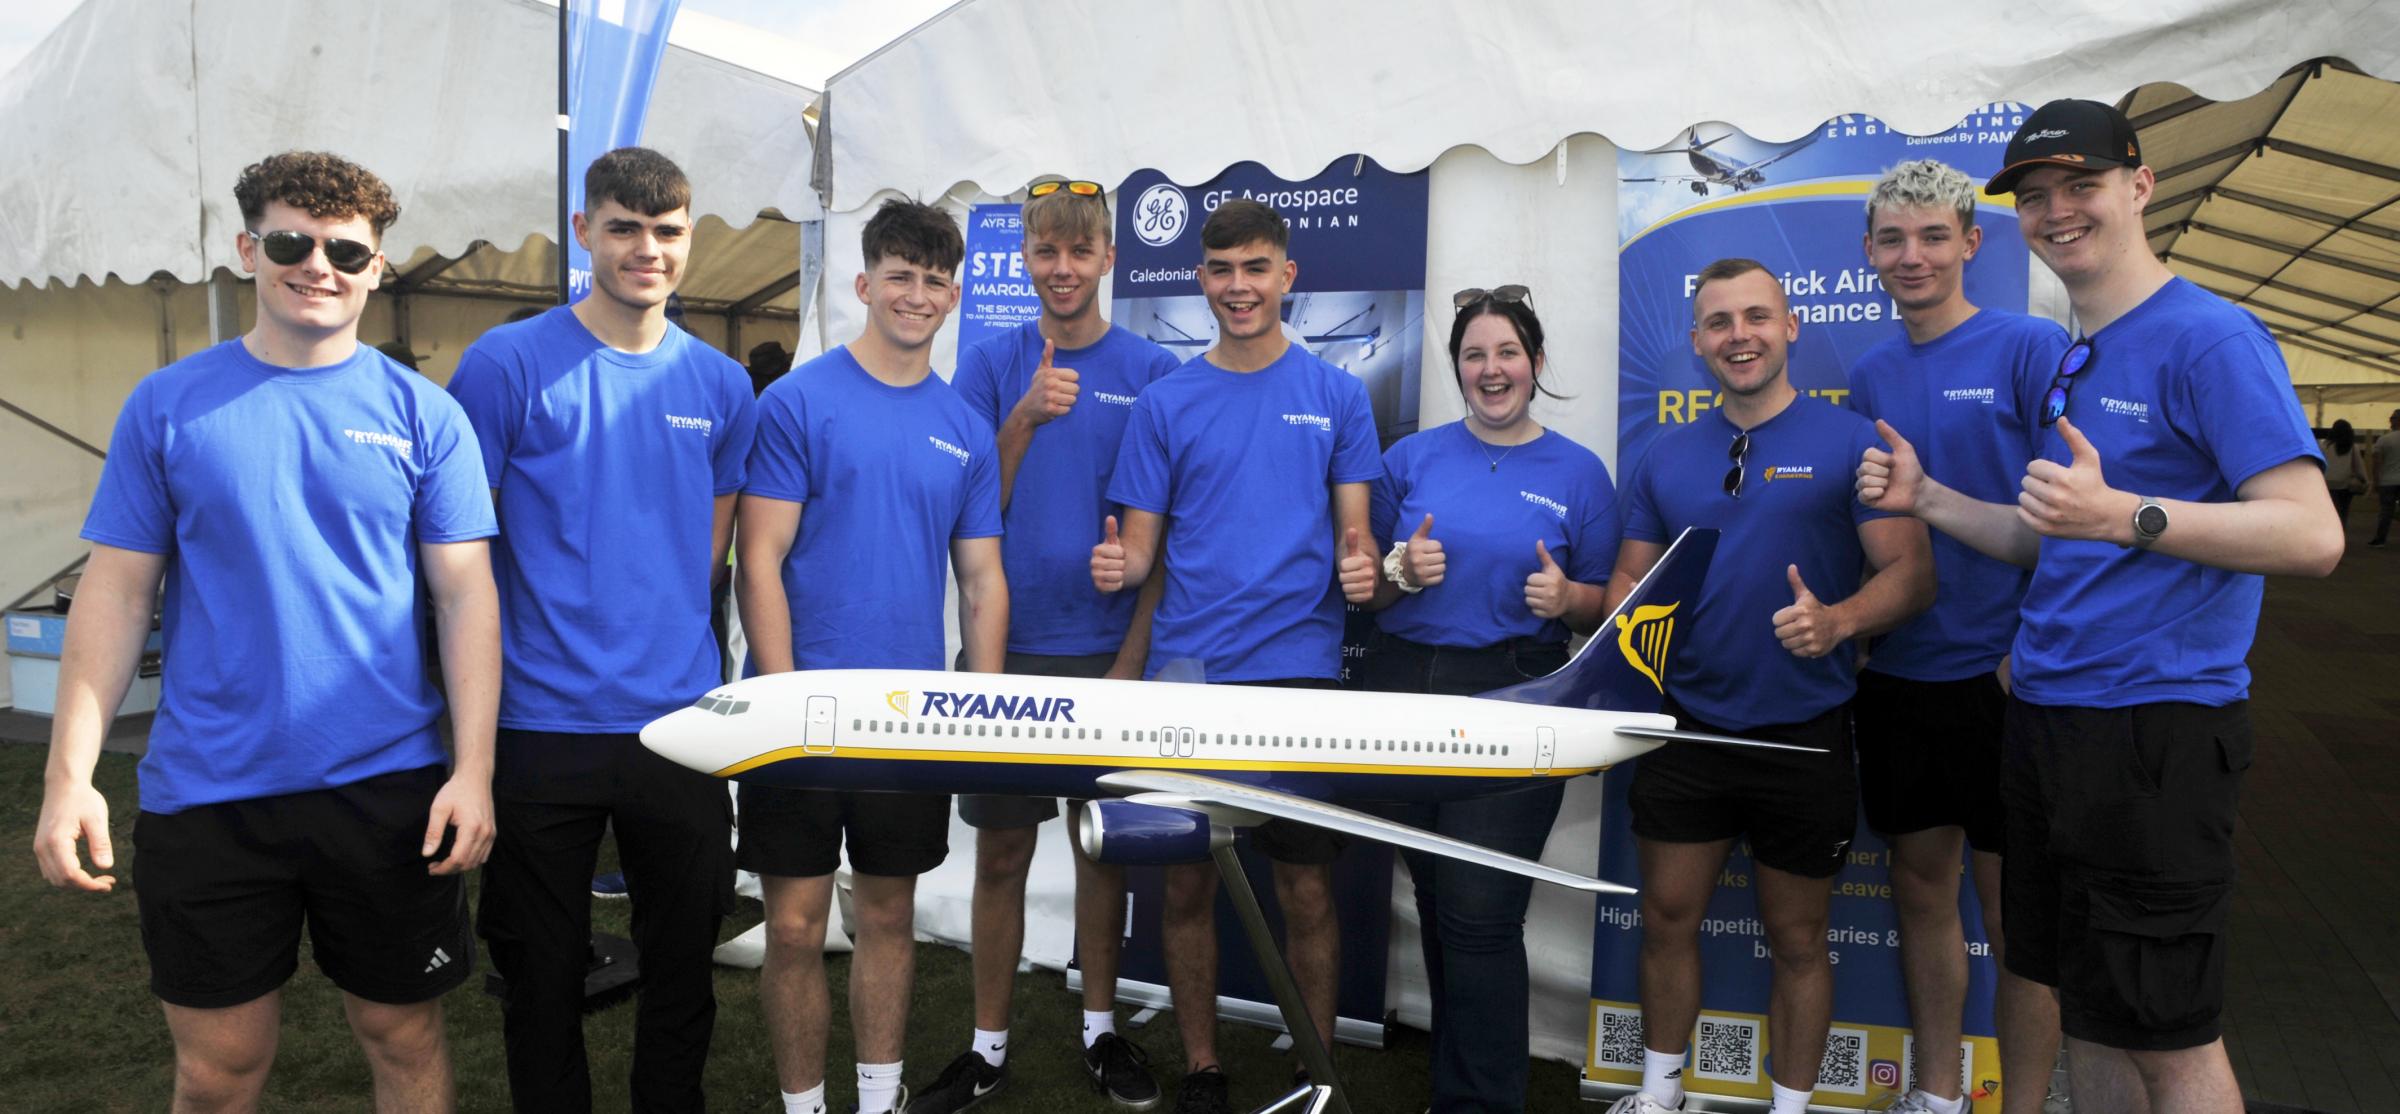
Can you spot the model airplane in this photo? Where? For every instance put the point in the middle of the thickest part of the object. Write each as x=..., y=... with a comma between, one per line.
x=1169, y=767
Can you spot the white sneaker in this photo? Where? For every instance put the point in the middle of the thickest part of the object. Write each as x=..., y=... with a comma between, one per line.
x=1641, y=1102
x=1914, y=1102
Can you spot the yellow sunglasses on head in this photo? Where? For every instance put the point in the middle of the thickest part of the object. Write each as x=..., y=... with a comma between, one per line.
x=1078, y=187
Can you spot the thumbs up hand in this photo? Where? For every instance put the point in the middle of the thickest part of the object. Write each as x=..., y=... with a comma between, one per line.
x=1108, y=559
x=1424, y=561
x=1358, y=571
x=1891, y=480
x=1807, y=628
x=1052, y=392
x=2073, y=500
x=1546, y=590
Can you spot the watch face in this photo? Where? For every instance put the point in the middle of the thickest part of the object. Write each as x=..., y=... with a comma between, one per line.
x=2151, y=520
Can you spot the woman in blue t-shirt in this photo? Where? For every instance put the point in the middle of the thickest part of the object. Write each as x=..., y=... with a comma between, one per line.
x=1529, y=519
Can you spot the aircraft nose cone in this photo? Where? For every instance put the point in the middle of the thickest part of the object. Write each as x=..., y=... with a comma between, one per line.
x=683, y=737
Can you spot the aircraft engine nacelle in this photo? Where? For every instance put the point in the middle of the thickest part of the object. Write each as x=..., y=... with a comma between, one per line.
x=1137, y=833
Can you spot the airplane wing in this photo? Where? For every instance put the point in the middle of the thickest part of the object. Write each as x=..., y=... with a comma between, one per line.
x=1779, y=156
x=1667, y=178
x=1206, y=791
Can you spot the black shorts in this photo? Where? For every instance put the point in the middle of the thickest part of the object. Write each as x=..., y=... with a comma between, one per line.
x=799, y=833
x=994, y=810
x=1290, y=841
x=2120, y=866
x=224, y=889
x=1929, y=756
x=1798, y=811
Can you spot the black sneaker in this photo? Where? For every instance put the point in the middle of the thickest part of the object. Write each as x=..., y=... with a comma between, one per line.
x=968, y=1080
x=1204, y=1093
x=1121, y=1070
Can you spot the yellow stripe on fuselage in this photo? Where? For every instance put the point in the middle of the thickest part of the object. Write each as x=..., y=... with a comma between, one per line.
x=1161, y=763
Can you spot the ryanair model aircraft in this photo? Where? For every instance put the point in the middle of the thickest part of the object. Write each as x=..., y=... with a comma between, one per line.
x=1170, y=767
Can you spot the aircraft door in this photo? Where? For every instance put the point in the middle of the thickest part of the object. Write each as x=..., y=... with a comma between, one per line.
x=817, y=737
x=1183, y=741
x=1166, y=742
x=1545, y=748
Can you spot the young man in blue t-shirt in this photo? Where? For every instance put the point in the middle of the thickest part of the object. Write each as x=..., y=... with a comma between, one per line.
x=868, y=475
x=1932, y=696
x=1239, y=475
x=290, y=487
x=1058, y=391
x=1765, y=657
x=2174, y=470
x=614, y=443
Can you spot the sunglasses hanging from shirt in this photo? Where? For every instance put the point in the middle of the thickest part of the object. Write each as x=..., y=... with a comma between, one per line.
x=1739, y=454
x=2077, y=359
x=285, y=248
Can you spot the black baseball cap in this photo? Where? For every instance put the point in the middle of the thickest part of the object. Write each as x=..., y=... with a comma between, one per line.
x=2084, y=135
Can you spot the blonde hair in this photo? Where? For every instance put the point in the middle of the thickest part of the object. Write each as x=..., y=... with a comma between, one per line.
x=1924, y=184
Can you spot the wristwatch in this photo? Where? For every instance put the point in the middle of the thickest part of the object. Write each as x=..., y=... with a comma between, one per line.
x=1395, y=568
x=2149, y=521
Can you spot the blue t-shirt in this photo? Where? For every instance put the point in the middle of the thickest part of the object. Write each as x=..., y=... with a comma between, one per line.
x=2186, y=398
x=1796, y=508
x=1487, y=517
x=1241, y=464
x=607, y=465
x=289, y=503
x=888, y=477
x=1061, y=493
x=1970, y=401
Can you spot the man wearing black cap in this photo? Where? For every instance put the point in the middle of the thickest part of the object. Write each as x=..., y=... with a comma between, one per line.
x=2175, y=470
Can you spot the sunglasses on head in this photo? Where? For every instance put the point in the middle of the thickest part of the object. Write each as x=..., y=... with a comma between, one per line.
x=1473, y=294
x=286, y=247
x=2054, y=403
x=1076, y=186
x=1739, y=454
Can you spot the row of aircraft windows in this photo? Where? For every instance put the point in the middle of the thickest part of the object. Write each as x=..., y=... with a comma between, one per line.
x=1013, y=731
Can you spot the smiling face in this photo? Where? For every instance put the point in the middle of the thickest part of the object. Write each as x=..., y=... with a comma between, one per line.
x=906, y=301
x=1920, y=252
x=1245, y=285
x=1744, y=329
x=309, y=299
x=2083, y=223
x=1066, y=272
x=637, y=260
x=1495, y=372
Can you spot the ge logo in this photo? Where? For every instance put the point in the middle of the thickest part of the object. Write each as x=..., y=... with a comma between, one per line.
x=1160, y=213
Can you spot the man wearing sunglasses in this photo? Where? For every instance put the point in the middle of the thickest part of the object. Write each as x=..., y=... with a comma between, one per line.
x=1930, y=701
x=2175, y=469
x=614, y=445
x=1058, y=390
x=290, y=487
x=1769, y=655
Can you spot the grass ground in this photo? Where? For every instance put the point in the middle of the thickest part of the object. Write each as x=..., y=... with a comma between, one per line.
x=80, y=1032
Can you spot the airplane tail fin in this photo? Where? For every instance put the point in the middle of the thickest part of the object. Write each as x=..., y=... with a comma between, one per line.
x=1623, y=668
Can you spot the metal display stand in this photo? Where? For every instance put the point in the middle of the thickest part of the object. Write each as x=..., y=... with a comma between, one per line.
x=1322, y=1094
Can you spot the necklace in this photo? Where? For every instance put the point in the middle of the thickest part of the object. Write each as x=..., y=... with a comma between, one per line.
x=1494, y=461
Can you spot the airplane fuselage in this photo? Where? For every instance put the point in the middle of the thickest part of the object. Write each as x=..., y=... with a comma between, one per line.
x=941, y=732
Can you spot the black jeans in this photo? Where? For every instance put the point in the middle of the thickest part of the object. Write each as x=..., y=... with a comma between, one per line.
x=1472, y=917
x=553, y=795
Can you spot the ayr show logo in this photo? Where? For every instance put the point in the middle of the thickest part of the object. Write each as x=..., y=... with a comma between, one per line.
x=1160, y=214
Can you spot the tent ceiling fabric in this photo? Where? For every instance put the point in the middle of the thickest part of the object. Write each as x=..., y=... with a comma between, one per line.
x=146, y=112
x=2290, y=205
x=1189, y=89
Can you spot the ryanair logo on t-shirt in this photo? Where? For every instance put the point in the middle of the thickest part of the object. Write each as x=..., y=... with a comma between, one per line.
x=1644, y=637
x=947, y=447
x=1317, y=421
x=1982, y=395
x=1113, y=399
x=364, y=437
x=1791, y=472
x=1555, y=507
x=2138, y=411
x=678, y=421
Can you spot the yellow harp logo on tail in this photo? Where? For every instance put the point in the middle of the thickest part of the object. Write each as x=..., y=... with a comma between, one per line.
x=1643, y=639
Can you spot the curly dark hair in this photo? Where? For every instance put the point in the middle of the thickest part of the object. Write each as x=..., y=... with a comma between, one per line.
x=324, y=186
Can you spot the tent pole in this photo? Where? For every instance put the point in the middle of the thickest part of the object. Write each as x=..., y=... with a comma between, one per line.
x=562, y=150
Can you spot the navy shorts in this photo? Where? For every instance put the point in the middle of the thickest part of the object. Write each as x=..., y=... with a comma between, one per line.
x=1929, y=756
x=224, y=890
x=1798, y=811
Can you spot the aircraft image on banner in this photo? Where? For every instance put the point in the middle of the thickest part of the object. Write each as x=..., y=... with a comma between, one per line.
x=1711, y=169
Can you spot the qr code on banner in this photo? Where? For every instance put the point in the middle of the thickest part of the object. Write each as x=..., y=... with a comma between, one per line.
x=1726, y=1049
x=1908, y=1057
x=1844, y=1067
x=1620, y=1039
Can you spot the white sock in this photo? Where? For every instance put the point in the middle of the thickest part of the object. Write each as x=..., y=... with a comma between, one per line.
x=1788, y=1101
x=878, y=1087
x=1662, y=1076
x=992, y=1045
x=1939, y=1105
x=1098, y=1024
x=811, y=1101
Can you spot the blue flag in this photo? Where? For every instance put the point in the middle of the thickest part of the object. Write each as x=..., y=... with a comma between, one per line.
x=613, y=51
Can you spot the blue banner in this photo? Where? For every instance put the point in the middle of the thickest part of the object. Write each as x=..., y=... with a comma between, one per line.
x=998, y=295
x=1800, y=209
x=613, y=51
x=1358, y=233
